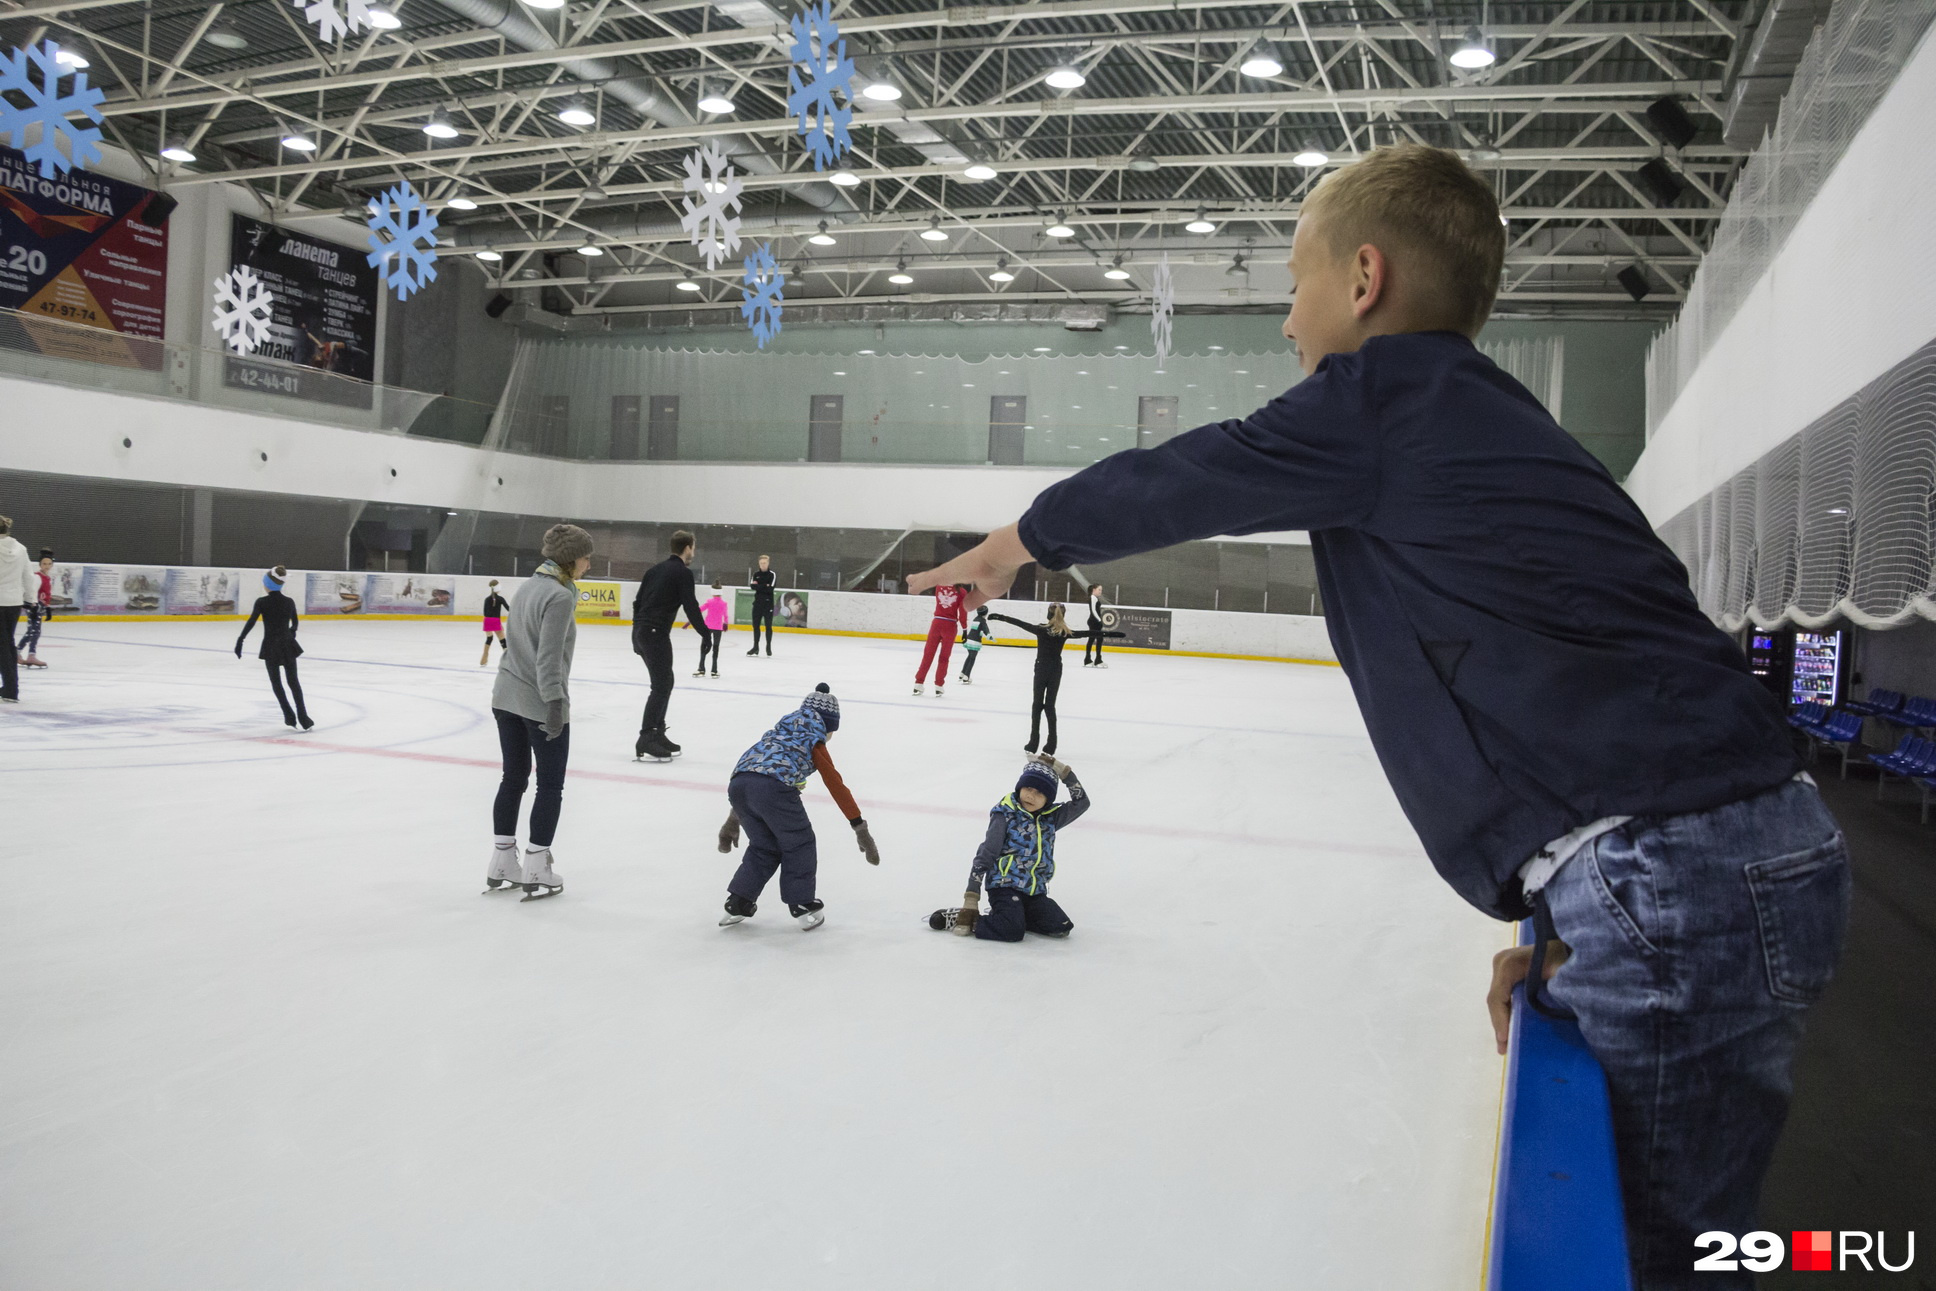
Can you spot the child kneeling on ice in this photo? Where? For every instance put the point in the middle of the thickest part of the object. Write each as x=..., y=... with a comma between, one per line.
x=765, y=793
x=1017, y=859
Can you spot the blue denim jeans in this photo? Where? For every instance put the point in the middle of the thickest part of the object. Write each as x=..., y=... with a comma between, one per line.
x=1698, y=942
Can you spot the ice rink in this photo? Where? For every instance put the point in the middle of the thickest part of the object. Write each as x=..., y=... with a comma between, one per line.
x=263, y=1030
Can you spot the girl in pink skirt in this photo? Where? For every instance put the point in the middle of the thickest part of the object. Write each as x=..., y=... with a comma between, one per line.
x=494, y=607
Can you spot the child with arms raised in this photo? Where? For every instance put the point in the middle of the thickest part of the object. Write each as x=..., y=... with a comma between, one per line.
x=1016, y=860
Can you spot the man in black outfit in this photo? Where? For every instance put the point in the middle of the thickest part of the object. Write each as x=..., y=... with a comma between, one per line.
x=666, y=589
x=763, y=605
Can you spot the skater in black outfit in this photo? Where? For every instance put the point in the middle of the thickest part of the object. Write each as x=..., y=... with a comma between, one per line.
x=1095, y=622
x=279, y=648
x=763, y=605
x=977, y=633
x=666, y=589
x=1049, y=637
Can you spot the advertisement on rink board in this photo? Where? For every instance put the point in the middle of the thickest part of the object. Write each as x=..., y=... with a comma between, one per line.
x=87, y=275
x=333, y=594
x=114, y=589
x=789, y=607
x=1143, y=629
x=599, y=602
x=324, y=325
x=410, y=594
x=203, y=591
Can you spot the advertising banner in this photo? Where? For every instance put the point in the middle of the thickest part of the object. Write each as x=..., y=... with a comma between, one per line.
x=117, y=589
x=599, y=602
x=77, y=261
x=201, y=591
x=65, y=590
x=1144, y=629
x=789, y=607
x=333, y=594
x=410, y=594
x=322, y=340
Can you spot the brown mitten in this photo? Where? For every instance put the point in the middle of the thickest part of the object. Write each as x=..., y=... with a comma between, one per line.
x=729, y=832
x=970, y=910
x=865, y=840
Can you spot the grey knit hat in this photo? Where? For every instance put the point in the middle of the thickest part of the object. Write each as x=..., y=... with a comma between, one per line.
x=565, y=543
x=822, y=701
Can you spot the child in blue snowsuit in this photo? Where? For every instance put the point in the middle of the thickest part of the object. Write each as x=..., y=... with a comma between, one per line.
x=765, y=793
x=1016, y=860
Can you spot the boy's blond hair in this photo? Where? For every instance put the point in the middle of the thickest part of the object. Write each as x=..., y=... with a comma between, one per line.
x=1423, y=207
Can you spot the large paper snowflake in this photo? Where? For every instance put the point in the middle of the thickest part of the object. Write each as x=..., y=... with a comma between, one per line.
x=333, y=23
x=244, y=309
x=820, y=67
x=49, y=109
x=403, y=240
x=712, y=220
x=760, y=296
x=1162, y=307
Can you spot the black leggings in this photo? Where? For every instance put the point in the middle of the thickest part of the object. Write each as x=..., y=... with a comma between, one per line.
x=968, y=664
x=1047, y=682
x=295, y=688
x=764, y=616
x=521, y=740
x=1092, y=648
x=709, y=639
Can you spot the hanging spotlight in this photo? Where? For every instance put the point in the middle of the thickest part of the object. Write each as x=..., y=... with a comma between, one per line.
x=546, y=4
x=933, y=232
x=1485, y=151
x=1143, y=165
x=591, y=249
x=844, y=178
x=224, y=35
x=1473, y=52
x=1115, y=271
x=176, y=149
x=1262, y=61
x=900, y=277
x=714, y=100
x=1201, y=224
x=297, y=141
x=382, y=19
x=822, y=238
x=440, y=126
x=490, y=254
x=576, y=112
x=1311, y=158
x=1001, y=273
x=1237, y=269
x=71, y=59
x=1060, y=229
x=460, y=202
x=881, y=91
x=979, y=171
x=595, y=192
x=1066, y=76
x=686, y=284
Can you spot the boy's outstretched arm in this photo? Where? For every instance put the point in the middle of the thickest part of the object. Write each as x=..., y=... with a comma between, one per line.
x=823, y=762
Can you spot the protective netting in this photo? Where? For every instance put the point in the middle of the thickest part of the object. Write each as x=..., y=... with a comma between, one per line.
x=1848, y=66
x=1832, y=524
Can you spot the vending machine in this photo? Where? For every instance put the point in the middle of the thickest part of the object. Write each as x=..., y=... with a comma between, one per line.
x=1819, y=669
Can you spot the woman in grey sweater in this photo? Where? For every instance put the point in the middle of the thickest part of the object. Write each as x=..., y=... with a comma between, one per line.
x=532, y=704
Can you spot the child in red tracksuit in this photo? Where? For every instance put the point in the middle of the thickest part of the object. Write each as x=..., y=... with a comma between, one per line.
x=950, y=619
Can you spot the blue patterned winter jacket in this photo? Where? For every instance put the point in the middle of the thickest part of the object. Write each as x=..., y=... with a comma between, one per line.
x=1019, y=849
x=786, y=751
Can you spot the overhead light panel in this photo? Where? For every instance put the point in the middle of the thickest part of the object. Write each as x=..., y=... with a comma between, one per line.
x=822, y=238
x=224, y=35
x=490, y=254
x=1144, y=165
x=1060, y=229
x=297, y=141
x=933, y=232
x=594, y=192
x=686, y=284
x=440, y=126
x=900, y=277
x=1202, y=223
x=381, y=17
x=1001, y=273
x=459, y=202
x=979, y=171
x=1311, y=158
x=1473, y=52
x=1262, y=61
x=844, y=178
x=714, y=100
x=176, y=149
x=546, y=4
x=1066, y=76
x=1484, y=152
x=577, y=112
x=71, y=58
x=881, y=91
x=1115, y=272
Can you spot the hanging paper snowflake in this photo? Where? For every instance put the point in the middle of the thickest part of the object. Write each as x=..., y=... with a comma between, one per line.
x=332, y=23
x=820, y=67
x=712, y=221
x=403, y=241
x=243, y=310
x=1162, y=307
x=49, y=109
x=761, y=298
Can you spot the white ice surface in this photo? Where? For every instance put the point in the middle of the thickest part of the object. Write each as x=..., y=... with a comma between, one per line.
x=261, y=1030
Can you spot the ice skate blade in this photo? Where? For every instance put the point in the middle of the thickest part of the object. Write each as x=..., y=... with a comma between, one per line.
x=810, y=920
x=502, y=885
x=649, y=757
x=541, y=893
x=728, y=920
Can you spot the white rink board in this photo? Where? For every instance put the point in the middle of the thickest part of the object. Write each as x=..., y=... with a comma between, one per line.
x=263, y=1030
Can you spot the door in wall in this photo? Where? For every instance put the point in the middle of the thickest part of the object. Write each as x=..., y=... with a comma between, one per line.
x=1155, y=419
x=1007, y=417
x=823, y=427
x=625, y=427
x=554, y=425
x=662, y=428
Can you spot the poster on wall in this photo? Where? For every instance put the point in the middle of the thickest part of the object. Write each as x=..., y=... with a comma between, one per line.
x=201, y=591
x=117, y=589
x=1143, y=629
x=64, y=591
x=411, y=594
x=333, y=594
x=322, y=340
x=598, y=602
x=789, y=608
x=86, y=275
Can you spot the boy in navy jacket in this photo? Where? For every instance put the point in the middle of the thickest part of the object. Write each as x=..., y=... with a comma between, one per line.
x=1569, y=735
x=1016, y=859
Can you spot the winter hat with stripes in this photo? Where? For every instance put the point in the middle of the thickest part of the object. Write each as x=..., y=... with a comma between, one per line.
x=822, y=701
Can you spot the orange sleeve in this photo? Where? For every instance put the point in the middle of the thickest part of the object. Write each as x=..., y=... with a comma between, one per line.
x=823, y=763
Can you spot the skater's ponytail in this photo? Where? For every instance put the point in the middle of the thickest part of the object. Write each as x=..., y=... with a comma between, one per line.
x=1057, y=624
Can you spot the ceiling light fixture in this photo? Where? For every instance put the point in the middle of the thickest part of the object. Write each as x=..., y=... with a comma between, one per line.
x=1311, y=158
x=979, y=171
x=1001, y=273
x=460, y=202
x=1485, y=151
x=1262, y=61
x=686, y=284
x=714, y=100
x=384, y=19
x=1473, y=52
x=576, y=112
x=70, y=58
x=546, y=4
x=176, y=149
x=933, y=232
x=1202, y=223
x=223, y=35
x=900, y=277
x=1144, y=165
x=490, y=254
x=822, y=238
x=1115, y=271
x=594, y=192
x=844, y=178
x=1066, y=76
x=1060, y=229
x=881, y=91
x=297, y=141
x=440, y=126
